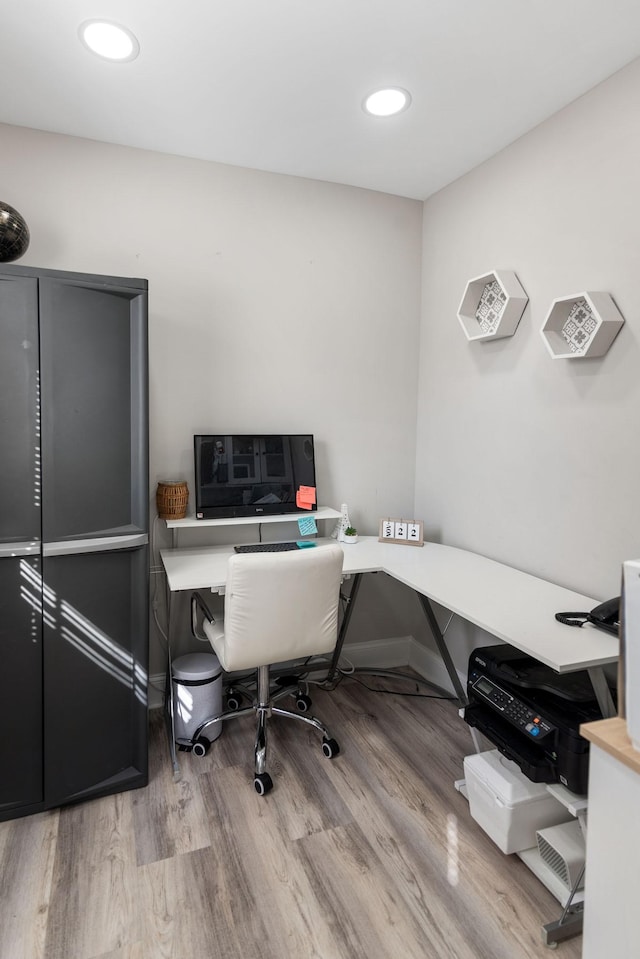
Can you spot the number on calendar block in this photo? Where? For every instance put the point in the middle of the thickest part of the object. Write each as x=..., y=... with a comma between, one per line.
x=402, y=531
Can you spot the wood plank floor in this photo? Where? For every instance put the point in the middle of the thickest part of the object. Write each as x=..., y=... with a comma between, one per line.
x=371, y=855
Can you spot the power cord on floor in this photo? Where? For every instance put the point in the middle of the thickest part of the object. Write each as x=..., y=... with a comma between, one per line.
x=394, y=692
x=346, y=671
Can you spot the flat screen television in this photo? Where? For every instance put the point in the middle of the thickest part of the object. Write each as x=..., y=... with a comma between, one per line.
x=253, y=474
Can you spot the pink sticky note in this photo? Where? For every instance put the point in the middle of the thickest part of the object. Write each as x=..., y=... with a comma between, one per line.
x=307, y=493
x=302, y=503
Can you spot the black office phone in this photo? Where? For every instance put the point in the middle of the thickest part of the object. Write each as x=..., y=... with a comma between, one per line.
x=605, y=616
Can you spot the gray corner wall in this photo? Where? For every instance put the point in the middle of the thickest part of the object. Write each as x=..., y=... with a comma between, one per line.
x=532, y=461
x=275, y=303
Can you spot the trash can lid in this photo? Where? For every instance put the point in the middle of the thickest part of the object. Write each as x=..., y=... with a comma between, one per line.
x=194, y=666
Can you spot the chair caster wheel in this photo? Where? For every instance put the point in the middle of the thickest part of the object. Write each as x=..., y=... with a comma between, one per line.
x=234, y=701
x=330, y=748
x=303, y=702
x=263, y=783
x=201, y=746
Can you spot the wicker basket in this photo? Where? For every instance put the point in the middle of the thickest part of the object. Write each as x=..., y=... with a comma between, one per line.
x=172, y=499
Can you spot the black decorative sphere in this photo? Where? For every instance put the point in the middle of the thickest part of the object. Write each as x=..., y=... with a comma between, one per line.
x=14, y=234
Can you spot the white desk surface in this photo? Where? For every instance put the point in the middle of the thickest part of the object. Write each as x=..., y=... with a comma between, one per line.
x=511, y=605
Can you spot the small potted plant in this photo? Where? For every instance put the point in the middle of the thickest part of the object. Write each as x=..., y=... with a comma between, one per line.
x=350, y=535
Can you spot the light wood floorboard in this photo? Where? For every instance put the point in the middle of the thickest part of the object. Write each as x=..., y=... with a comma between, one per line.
x=367, y=856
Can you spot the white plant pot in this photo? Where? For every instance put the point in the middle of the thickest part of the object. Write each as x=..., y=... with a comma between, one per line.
x=349, y=539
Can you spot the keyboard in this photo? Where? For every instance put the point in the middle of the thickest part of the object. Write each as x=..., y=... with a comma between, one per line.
x=266, y=547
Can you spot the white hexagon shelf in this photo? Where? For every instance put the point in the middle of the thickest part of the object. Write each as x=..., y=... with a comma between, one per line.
x=585, y=324
x=492, y=306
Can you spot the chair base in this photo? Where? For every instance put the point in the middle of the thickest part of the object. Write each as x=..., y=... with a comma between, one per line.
x=263, y=708
x=285, y=685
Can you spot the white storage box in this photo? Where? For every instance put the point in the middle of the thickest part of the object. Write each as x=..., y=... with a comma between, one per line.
x=509, y=807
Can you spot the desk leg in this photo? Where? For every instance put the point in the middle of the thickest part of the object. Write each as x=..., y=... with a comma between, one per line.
x=570, y=922
x=435, y=629
x=168, y=697
x=443, y=650
x=602, y=691
x=333, y=668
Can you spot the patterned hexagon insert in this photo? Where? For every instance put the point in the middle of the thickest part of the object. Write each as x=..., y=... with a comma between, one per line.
x=585, y=324
x=492, y=306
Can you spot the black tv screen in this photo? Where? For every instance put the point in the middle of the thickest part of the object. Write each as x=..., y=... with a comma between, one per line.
x=254, y=474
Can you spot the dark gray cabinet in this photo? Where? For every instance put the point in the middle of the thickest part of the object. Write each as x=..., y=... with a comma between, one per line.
x=73, y=537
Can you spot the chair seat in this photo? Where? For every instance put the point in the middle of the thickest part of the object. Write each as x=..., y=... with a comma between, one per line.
x=279, y=607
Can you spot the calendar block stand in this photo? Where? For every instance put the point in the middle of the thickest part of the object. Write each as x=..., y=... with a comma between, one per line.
x=407, y=532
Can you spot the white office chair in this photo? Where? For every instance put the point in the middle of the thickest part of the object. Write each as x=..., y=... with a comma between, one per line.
x=278, y=607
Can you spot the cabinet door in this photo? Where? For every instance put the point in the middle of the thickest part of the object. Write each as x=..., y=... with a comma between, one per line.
x=21, y=700
x=20, y=585
x=19, y=416
x=94, y=408
x=95, y=659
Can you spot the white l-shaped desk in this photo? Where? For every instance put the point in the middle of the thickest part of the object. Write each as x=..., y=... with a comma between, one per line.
x=516, y=607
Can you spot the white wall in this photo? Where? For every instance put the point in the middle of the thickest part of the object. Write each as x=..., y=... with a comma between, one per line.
x=282, y=303
x=532, y=461
x=276, y=303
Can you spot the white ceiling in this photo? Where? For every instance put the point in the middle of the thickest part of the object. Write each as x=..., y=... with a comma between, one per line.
x=277, y=85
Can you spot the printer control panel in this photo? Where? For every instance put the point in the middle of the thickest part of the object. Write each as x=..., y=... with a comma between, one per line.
x=515, y=710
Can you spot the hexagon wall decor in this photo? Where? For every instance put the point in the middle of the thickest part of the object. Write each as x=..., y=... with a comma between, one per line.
x=585, y=324
x=492, y=305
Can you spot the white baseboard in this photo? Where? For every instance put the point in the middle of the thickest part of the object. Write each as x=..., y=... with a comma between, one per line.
x=156, y=690
x=383, y=653
x=429, y=665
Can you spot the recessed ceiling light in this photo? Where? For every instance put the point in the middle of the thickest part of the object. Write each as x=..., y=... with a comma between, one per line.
x=386, y=103
x=109, y=40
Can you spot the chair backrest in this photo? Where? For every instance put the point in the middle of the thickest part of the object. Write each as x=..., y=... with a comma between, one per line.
x=281, y=606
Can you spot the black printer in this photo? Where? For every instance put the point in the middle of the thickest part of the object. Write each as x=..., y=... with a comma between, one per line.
x=532, y=714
